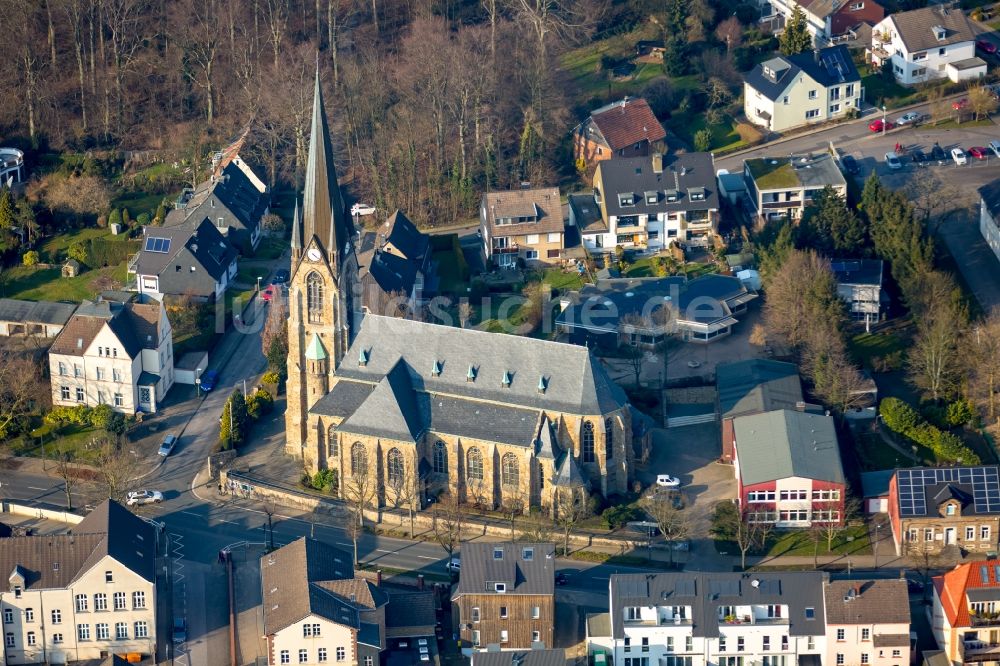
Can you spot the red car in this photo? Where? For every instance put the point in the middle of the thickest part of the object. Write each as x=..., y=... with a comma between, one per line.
x=978, y=152
x=269, y=292
x=986, y=46
x=878, y=125
x=960, y=104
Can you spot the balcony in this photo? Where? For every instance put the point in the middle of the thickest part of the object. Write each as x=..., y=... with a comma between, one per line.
x=662, y=621
x=132, y=261
x=976, y=651
x=986, y=620
x=753, y=620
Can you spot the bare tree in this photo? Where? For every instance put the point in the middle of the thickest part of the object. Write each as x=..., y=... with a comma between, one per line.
x=983, y=366
x=21, y=390
x=201, y=37
x=512, y=506
x=117, y=469
x=360, y=490
x=981, y=102
x=270, y=507
x=745, y=530
x=730, y=33
x=404, y=492
x=67, y=471
x=570, y=505
x=929, y=195
x=669, y=517
x=933, y=358
x=448, y=515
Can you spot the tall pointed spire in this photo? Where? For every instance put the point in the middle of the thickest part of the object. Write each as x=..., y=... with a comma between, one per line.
x=323, y=214
x=296, y=227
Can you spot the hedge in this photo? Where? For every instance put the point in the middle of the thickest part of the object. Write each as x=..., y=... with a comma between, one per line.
x=905, y=421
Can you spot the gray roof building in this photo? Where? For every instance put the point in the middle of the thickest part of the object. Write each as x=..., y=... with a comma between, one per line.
x=866, y=272
x=192, y=259
x=705, y=593
x=522, y=568
x=867, y=602
x=41, y=318
x=757, y=385
x=827, y=67
x=933, y=27
x=393, y=262
x=520, y=658
x=783, y=443
x=586, y=214
x=661, y=184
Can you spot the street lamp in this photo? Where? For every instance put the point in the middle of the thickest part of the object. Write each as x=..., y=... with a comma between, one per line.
x=197, y=382
x=883, y=120
x=258, y=284
x=878, y=526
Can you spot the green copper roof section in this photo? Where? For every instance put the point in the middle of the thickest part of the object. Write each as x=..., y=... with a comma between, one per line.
x=316, y=351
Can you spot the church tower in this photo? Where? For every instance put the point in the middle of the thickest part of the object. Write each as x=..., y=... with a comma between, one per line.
x=323, y=272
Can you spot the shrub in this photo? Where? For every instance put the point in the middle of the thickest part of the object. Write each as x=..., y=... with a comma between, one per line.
x=617, y=516
x=115, y=217
x=703, y=140
x=77, y=251
x=61, y=416
x=903, y=420
x=898, y=415
x=325, y=480
x=143, y=219
x=30, y=258
x=960, y=412
x=271, y=377
x=101, y=416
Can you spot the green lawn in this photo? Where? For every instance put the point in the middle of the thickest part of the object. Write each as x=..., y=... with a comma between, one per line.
x=139, y=202
x=851, y=540
x=46, y=284
x=271, y=247
x=646, y=267
x=953, y=124
x=875, y=454
x=53, y=250
x=452, y=269
x=879, y=90
x=47, y=440
x=249, y=274
x=868, y=346
x=724, y=135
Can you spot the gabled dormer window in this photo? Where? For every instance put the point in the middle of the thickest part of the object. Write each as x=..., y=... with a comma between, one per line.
x=652, y=197
x=940, y=33
x=949, y=510
x=626, y=199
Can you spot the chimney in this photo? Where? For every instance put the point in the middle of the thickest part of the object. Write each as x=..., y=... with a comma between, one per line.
x=420, y=582
x=816, y=56
x=657, y=162
x=378, y=578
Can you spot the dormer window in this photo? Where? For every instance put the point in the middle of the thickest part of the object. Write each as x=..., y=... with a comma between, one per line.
x=857, y=6
x=652, y=197
x=626, y=199
x=498, y=553
x=697, y=193
x=527, y=554
x=949, y=510
x=672, y=196
x=500, y=588
x=940, y=33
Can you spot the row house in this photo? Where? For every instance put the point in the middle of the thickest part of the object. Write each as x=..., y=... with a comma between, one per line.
x=114, y=353
x=965, y=613
x=929, y=43
x=525, y=225
x=788, y=468
x=647, y=203
x=505, y=597
x=932, y=509
x=781, y=187
x=867, y=622
x=81, y=596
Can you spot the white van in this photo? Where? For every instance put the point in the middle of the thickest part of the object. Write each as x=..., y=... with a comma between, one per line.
x=958, y=155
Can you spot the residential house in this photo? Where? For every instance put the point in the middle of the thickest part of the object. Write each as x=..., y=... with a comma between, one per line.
x=189, y=260
x=525, y=225
x=316, y=611
x=626, y=128
x=702, y=618
x=810, y=87
x=115, y=353
x=867, y=622
x=930, y=43
x=410, y=614
x=505, y=596
x=875, y=490
x=84, y=595
x=642, y=311
x=932, y=509
x=233, y=199
x=34, y=319
x=585, y=215
x=989, y=215
x=395, y=267
x=753, y=386
x=828, y=21
x=537, y=657
x=859, y=285
x=649, y=202
x=783, y=186
x=489, y=418
x=788, y=469
x=965, y=613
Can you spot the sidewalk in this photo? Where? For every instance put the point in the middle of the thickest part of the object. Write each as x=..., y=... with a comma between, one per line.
x=246, y=604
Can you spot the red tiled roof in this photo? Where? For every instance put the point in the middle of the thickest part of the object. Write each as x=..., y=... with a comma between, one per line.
x=627, y=122
x=952, y=586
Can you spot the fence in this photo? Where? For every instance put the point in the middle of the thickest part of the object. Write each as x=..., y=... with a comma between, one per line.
x=41, y=512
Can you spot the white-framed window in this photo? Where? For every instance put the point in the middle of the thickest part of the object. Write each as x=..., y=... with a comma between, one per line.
x=866, y=634
x=82, y=605
x=8, y=616
x=897, y=653
x=103, y=631
x=8, y=639
x=56, y=616
x=475, y=613
x=475, y=637
x=57, y=638
x=29, y=614
x=984, y=532
x=116, y=374
x=64, y=392
x=689, y=643
x=83, y=632
x=536, y=612
x=503, y=636
x=919, y=55
x=787, y=495
x=841, y=634
x=119, y=400
x=812, y=94
x=865, y=658
x=911, y=535
x=532, y=239
x=321, y=655
x=119, y=600
x=531, y=254
x=810, y=642
x=369, y=661
x=840, y=659
x=812, y=113
x=554, y=237
x=760, y=496
x=835, y=108
x=536, y=636
x=928, y=534
x=284, y=657
x=310, y=630
x=949, y=510
x=141, y=629
x=341, y=653
x=77, y=370
x=30, y=638
x=100, y=602
x=503, y=612
x=970, y=533
x=80, y=397
x=138, y=600
x=121, y=631
x=303, y=655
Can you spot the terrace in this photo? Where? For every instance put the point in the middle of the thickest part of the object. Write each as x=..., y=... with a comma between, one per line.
x=11, y=165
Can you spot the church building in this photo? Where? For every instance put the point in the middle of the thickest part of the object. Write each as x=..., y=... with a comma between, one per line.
x=403, y=409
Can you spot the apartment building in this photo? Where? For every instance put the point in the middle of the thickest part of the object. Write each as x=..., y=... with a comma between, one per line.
x=86, y=595
x=505, y=597
x=783, y=186
x=719, y=619
x=929, y=43
x=867, y=622
x=114, y=352
x=524, y=225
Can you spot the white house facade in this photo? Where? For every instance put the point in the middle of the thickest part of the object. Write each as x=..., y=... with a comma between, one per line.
x=989, y=215
x=926, y=44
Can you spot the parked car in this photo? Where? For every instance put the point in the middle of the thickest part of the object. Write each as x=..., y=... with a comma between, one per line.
x=850, y=165
x=978, y=152
x=879, y=125
x=281, y=276
x=893, y=161
x=209, y=379
x=986, y=46
x=562, y=578
x=938, y=154
x=667, y=481
x=958, y=155
x=909, y=118
x=960, y=104
x=454, y=565
x=995, y=147
x=167, y=447
x=362, y=209
x=919, y=157
x=140, y=497
x=180, y=630
x=268, y=293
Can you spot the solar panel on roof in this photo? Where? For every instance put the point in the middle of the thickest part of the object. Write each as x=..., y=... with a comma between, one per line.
x=156, y=244
x=984, y=481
